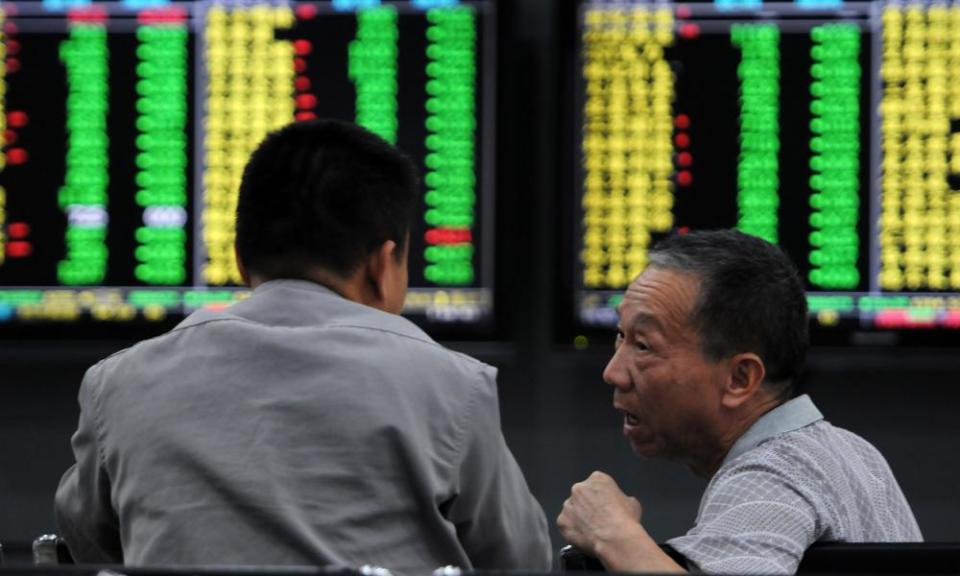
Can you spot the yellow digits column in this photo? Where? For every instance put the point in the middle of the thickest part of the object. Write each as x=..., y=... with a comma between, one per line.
x=249, y=93
x=627, y=149
x=936, y=131
x=920, y=215
x=659, y=215
x=893, y=139
x=596, y=73
x=913, y=192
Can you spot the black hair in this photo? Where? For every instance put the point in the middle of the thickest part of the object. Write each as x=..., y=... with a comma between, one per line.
x=751, y=299
x=322, y=193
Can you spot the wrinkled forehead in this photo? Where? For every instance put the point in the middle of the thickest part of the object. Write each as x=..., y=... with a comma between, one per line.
x=661, y=296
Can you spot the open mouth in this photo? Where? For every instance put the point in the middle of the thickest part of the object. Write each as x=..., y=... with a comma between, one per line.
x=629, y=419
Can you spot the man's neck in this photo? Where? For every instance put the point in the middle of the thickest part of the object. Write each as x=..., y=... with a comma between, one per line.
x=737, y=426
x=349, y=288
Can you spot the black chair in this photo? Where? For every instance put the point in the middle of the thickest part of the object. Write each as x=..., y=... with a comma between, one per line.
x=572, y=559
x=882, y=558
x=834, y=558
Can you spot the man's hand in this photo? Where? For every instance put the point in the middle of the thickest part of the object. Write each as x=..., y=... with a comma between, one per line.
x=599, y=519
x=596, y=513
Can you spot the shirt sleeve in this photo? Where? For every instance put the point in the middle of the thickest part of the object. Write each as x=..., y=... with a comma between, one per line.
x=499, y=523
x=85, y=516
x=754, y=520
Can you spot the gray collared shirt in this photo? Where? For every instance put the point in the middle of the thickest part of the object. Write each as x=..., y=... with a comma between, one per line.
x=297, y=427
x=791, y=480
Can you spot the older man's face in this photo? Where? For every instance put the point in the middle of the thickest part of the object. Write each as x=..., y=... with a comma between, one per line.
x=668, y=392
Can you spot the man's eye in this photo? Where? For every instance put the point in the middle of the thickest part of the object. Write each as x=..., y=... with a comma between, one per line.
x=640, y=344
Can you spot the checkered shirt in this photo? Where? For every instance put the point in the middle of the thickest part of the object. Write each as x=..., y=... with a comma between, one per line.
x=794, y=479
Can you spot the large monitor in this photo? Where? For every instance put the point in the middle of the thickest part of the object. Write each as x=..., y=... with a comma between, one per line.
x=127, y=126
x=831, y=128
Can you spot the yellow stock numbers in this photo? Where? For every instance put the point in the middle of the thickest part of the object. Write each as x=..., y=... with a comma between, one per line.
x=249, y=93
x=627, y=148
x=920, y=214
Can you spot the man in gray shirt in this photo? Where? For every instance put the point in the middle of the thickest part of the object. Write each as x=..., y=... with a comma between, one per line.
x=310, y=423
x=711, y=338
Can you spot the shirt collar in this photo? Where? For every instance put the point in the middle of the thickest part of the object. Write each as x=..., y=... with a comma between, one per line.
x=787, y=417
x=294, y=283
x=205, y=314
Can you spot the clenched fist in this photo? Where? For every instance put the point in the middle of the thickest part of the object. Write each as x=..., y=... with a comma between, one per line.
x=597, y=512
x=599, y=519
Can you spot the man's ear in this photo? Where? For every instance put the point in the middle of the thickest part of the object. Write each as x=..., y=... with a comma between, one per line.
x=746, y=376
x=380, y=273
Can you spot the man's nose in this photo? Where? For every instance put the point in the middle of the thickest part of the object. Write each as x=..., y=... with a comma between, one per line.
x=615, y=374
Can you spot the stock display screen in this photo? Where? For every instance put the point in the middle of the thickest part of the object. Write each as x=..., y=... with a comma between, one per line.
x=127, y=126
x=830, y=128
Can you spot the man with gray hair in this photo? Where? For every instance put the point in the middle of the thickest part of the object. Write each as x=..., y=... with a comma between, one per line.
x=711, y=339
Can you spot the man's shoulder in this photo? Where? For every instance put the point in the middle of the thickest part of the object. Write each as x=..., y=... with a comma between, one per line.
x=292, y=315
x=299, y=304
x=130, y=353
x=394, y=332
x=808, y=459
x=799, y=446
x=817, y=440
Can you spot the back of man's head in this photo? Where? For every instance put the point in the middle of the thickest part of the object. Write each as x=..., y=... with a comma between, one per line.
x=751, y=300
x=322, y=194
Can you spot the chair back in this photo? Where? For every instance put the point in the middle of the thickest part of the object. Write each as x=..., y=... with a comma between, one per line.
x=882, y=558
x=833, y=558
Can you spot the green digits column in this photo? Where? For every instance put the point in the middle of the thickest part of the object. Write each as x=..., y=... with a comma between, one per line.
x=161, y=251
x=372, y=65
x=835, y=159
x=83, y=195
x=757, y=180
x=451, y=126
